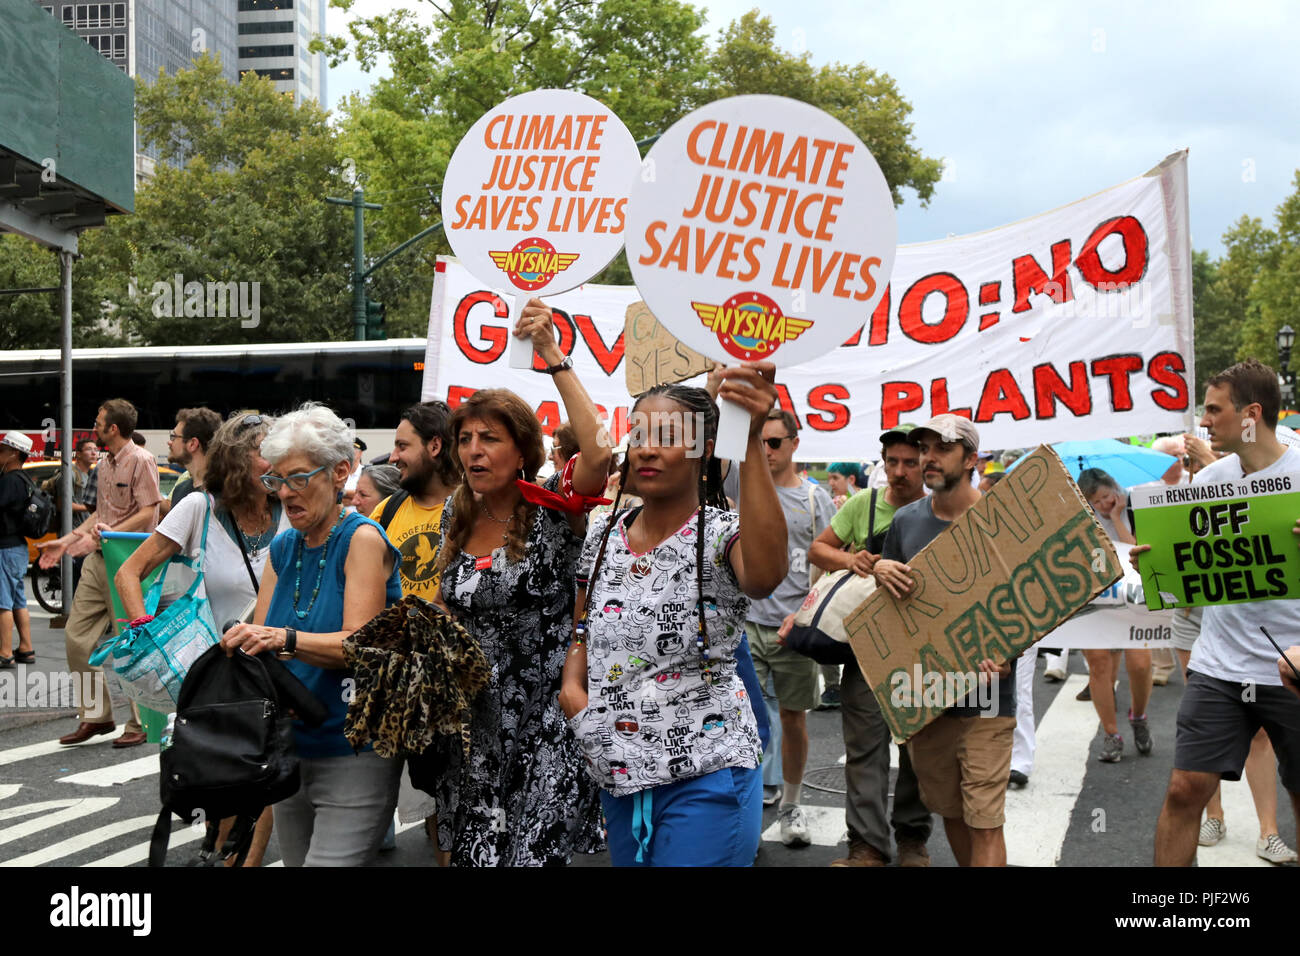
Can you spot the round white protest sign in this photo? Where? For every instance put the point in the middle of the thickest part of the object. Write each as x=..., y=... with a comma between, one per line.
x=761, y=229
x=534, y=199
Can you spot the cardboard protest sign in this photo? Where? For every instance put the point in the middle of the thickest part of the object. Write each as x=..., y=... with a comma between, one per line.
x=761, y=229
x=652, y=355
x=1025, y=558
x=1219, y=543
x=535, y=195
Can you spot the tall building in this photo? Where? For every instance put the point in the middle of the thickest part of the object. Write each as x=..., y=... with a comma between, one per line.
x=273, y=39
x=267, y=37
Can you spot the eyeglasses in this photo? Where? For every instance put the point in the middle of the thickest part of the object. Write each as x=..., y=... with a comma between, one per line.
x=775, y=443
x=172, y=436
x=296, y=482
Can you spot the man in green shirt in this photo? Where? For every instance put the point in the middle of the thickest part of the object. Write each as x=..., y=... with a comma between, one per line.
x=853, y=541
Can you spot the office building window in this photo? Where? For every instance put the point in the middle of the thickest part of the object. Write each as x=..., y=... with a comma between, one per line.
x=245, y=5
x=68, y=12
x=286, y=73
x=49, y=10
x=270, y=26
x=119, y=46
x=119, y=14
x=257, y=52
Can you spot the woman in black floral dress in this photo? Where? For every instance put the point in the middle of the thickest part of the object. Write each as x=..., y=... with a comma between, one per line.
x=522, y=798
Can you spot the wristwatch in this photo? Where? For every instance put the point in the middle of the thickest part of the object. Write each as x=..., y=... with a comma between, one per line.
x=290, y=648
x=553, y=369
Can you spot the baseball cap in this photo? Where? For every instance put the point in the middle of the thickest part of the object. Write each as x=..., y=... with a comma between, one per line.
x=902, y=430
x=951, y=428
x=18, y=441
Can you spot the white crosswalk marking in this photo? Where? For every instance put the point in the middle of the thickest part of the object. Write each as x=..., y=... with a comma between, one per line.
x=65, y=811
x=1039, y=816
x=9, y=789
x=825, y=826
x=116, y=773
x=82, y=841
x=140, y=852
x=1237, y=848
x=31, y=751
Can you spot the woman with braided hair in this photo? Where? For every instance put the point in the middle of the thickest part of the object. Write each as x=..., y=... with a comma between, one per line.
x=508, y=559
x=651, y=687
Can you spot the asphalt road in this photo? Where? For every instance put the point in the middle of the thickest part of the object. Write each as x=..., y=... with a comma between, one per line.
x=94, y=805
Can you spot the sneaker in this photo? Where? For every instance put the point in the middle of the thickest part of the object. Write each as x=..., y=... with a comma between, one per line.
x=861, y=854
x=771, y=795
x=794, y=826
x=1055, y=674
x=913, y=853
x=1018, y=780
x=1212, y=831
x=1272, y=848
x=830, y=699
x=1085, y=694
x=1112, y=746
x=1141, y=735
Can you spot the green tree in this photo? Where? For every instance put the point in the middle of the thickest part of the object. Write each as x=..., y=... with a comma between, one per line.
x=247, y=206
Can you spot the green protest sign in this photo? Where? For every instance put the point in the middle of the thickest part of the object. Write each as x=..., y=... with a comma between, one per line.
x=1219, y=543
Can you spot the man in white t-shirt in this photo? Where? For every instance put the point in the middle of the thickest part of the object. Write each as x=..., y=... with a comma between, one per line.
x=1233, y=685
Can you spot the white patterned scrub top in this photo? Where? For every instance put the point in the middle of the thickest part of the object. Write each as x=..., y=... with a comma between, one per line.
x=651, y=718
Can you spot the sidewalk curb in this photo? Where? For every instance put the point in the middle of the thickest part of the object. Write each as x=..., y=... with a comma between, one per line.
x=26, y=718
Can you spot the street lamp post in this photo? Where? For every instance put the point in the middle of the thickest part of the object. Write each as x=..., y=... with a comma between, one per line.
x=1286, y=339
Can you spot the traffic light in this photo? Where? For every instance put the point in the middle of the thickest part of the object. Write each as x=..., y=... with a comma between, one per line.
x=375, y=321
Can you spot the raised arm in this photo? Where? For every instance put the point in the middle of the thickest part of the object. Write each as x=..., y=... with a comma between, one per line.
x=761, y=560
x=593, y=440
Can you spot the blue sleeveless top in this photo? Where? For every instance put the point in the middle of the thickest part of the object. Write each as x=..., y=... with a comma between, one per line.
x=325, y=617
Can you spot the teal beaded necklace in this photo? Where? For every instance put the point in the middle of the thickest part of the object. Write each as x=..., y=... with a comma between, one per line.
x=320, y=573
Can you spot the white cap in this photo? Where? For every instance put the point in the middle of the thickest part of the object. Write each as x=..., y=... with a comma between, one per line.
x=17, y=440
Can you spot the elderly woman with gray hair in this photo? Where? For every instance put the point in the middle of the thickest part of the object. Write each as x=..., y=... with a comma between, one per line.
x=327, y=576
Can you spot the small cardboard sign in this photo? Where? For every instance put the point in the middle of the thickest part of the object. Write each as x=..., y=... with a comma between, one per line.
x=652, y=356
x=535, y=195
x=1010, y=570
x=761, y=229
x=1219, y=542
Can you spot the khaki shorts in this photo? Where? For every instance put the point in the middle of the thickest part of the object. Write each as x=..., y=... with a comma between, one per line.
x=793, y=675
x=962, y=765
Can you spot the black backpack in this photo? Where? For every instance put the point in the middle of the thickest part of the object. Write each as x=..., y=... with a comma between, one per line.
x=37, y=513
x=231, y=751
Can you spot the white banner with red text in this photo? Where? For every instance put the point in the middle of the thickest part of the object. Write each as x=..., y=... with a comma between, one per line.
x=1074, y=324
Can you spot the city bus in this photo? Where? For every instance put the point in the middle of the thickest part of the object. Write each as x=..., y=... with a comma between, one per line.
x=367, y=382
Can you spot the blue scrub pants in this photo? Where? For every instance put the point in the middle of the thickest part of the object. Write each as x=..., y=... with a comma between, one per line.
x=713, y=820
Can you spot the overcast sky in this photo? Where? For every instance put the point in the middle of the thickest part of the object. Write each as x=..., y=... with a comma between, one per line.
x=1037, y=104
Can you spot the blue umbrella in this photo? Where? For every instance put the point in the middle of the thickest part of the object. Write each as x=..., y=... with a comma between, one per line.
x=1128, y=464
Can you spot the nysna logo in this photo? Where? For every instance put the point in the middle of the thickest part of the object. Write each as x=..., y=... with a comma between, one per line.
x=750, y=325
x=532, y=263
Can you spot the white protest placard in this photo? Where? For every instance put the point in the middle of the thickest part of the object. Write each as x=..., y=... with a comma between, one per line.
x=760, y=229
x=535, y=195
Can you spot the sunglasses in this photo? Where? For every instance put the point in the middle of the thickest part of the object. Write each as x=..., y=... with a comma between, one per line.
x=296, y=482
x=248, y=421
x=775, y=443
